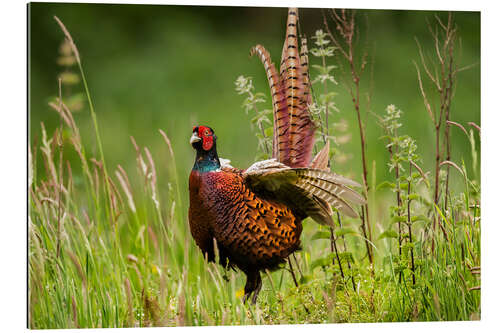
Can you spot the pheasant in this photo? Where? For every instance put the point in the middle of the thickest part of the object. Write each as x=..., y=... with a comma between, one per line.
x=254, y=216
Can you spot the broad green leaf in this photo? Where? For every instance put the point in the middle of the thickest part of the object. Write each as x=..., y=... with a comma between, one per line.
x=413, y=196
x=344, y=231
x=385, y=184
x=397, y=218
x=419, y=218
x=321, y=235
x=388, y=234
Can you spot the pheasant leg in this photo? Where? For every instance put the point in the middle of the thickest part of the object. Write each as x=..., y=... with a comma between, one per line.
x=253, y=285
x=257, y=289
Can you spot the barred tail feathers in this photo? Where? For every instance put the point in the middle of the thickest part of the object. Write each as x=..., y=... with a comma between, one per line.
x=281, y=118
x=304, y=70
x=293, y=137
x=298, y=97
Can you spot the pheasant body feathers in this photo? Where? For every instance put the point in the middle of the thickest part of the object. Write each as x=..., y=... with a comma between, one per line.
x=249, y=230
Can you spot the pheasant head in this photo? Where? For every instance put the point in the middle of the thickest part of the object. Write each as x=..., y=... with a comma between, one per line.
x=203, y=140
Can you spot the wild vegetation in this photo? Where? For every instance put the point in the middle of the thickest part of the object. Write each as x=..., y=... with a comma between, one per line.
x=110, y=247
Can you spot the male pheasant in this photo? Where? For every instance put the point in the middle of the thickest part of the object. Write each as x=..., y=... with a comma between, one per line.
x=255, y=215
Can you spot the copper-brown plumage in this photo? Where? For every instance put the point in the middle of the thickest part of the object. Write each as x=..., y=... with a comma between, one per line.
x=256, y=231
x=255, y=215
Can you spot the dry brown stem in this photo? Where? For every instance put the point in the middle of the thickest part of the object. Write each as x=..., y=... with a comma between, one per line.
x=344, y=21
x=443, y=80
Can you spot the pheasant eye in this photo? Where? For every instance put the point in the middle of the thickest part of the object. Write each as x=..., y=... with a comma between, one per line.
x=206, y=133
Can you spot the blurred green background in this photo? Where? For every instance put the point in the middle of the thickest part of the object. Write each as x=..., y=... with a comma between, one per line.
x=173, y=67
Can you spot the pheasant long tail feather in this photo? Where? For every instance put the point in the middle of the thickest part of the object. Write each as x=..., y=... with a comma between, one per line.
x=281, y=118
x=294, y=79
x=304, y=70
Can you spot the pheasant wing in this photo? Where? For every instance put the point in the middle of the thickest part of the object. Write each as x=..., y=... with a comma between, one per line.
x=304, y=189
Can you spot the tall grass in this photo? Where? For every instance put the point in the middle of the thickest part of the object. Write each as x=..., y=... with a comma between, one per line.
x=111, y=247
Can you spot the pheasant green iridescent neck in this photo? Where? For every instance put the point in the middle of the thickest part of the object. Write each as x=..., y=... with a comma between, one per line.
x=206, y=161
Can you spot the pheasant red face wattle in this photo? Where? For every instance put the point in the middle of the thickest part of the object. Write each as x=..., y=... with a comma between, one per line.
x=205, y=135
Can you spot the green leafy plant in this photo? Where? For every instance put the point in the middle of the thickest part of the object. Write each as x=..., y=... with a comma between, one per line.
x=261, y=120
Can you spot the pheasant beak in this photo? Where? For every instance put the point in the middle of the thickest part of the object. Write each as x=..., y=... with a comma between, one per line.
x=194, y=138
